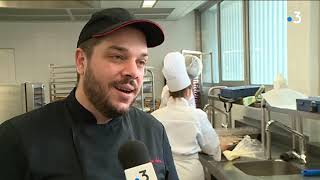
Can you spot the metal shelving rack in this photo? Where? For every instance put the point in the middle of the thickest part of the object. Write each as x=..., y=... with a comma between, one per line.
x=62, y=80
x=147, y=91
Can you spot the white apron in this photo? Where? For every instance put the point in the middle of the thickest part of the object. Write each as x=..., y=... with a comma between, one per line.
x=188, y=168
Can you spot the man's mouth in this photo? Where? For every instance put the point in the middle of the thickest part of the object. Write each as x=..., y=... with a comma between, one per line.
x=125, y=90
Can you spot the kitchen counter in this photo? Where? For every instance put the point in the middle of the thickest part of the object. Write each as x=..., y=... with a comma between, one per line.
x=225, y=170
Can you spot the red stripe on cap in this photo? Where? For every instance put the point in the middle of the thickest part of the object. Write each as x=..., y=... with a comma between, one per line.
x=124, y=25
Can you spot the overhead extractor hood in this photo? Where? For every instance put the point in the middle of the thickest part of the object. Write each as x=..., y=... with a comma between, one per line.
x=81, y=10
x=50, y=4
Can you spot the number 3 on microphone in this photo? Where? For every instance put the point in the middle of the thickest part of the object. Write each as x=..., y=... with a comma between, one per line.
x=144, y=174
x=141, y=172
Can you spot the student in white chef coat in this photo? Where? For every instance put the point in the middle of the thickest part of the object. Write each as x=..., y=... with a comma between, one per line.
x=188, y=128
x=193, y=70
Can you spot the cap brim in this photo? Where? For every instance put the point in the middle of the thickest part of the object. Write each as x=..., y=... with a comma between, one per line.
x=153, y=32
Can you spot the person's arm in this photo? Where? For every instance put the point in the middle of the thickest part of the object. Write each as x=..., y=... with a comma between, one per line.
x=171, y=173
x=208, y=138
x=13, y=164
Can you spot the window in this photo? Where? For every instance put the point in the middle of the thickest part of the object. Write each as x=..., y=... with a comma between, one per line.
x=232, y=46
x=267, y=40
x=252, y=37
x=210, y=45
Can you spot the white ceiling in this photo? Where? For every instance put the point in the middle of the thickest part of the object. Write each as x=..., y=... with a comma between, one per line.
x=79, y=10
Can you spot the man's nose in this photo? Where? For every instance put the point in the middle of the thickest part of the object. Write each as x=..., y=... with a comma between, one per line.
x=131, y=69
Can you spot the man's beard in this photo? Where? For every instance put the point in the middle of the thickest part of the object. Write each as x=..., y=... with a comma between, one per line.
x=96, y=94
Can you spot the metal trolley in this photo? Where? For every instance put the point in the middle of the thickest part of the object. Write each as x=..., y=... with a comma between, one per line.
x=62, y=80
x=146, y=99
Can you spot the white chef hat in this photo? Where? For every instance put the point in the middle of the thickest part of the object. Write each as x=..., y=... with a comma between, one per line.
x=193, y=65
x=175, y=72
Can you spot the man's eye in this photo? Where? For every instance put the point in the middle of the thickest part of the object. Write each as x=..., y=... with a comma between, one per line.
x=117, y=57
x=142, y=62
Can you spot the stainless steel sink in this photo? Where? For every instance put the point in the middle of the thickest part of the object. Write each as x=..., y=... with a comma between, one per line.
x=267, y=168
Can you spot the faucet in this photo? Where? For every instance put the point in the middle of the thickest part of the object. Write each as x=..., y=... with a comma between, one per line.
x=302, y=156
x=210, y=109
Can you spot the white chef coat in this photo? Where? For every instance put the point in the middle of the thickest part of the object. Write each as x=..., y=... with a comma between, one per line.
x=189, y=132
x=165, y=94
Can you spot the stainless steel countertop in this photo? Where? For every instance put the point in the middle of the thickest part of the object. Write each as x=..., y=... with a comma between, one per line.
x=225, y=170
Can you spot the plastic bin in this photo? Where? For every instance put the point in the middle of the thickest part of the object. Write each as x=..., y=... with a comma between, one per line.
x=239, y=91
x=310, y=104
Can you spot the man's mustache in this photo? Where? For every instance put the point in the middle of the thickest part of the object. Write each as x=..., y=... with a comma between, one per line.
x=128, y=80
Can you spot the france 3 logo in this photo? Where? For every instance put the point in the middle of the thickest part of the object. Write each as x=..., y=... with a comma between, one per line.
x=296, y=18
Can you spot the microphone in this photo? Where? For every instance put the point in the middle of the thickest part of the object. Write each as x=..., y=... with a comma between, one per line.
x=134, y=158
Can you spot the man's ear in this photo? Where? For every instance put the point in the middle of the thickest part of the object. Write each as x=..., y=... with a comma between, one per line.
x=81, y=61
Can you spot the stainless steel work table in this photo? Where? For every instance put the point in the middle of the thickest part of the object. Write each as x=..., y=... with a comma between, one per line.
x=225, y=170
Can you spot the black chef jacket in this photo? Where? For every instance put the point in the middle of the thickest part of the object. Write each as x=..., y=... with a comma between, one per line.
x=62, y=141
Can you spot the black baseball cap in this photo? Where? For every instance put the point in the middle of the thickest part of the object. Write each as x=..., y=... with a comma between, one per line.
x=107, y=21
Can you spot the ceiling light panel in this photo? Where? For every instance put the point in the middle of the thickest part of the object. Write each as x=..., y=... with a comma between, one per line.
x=148, y=3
